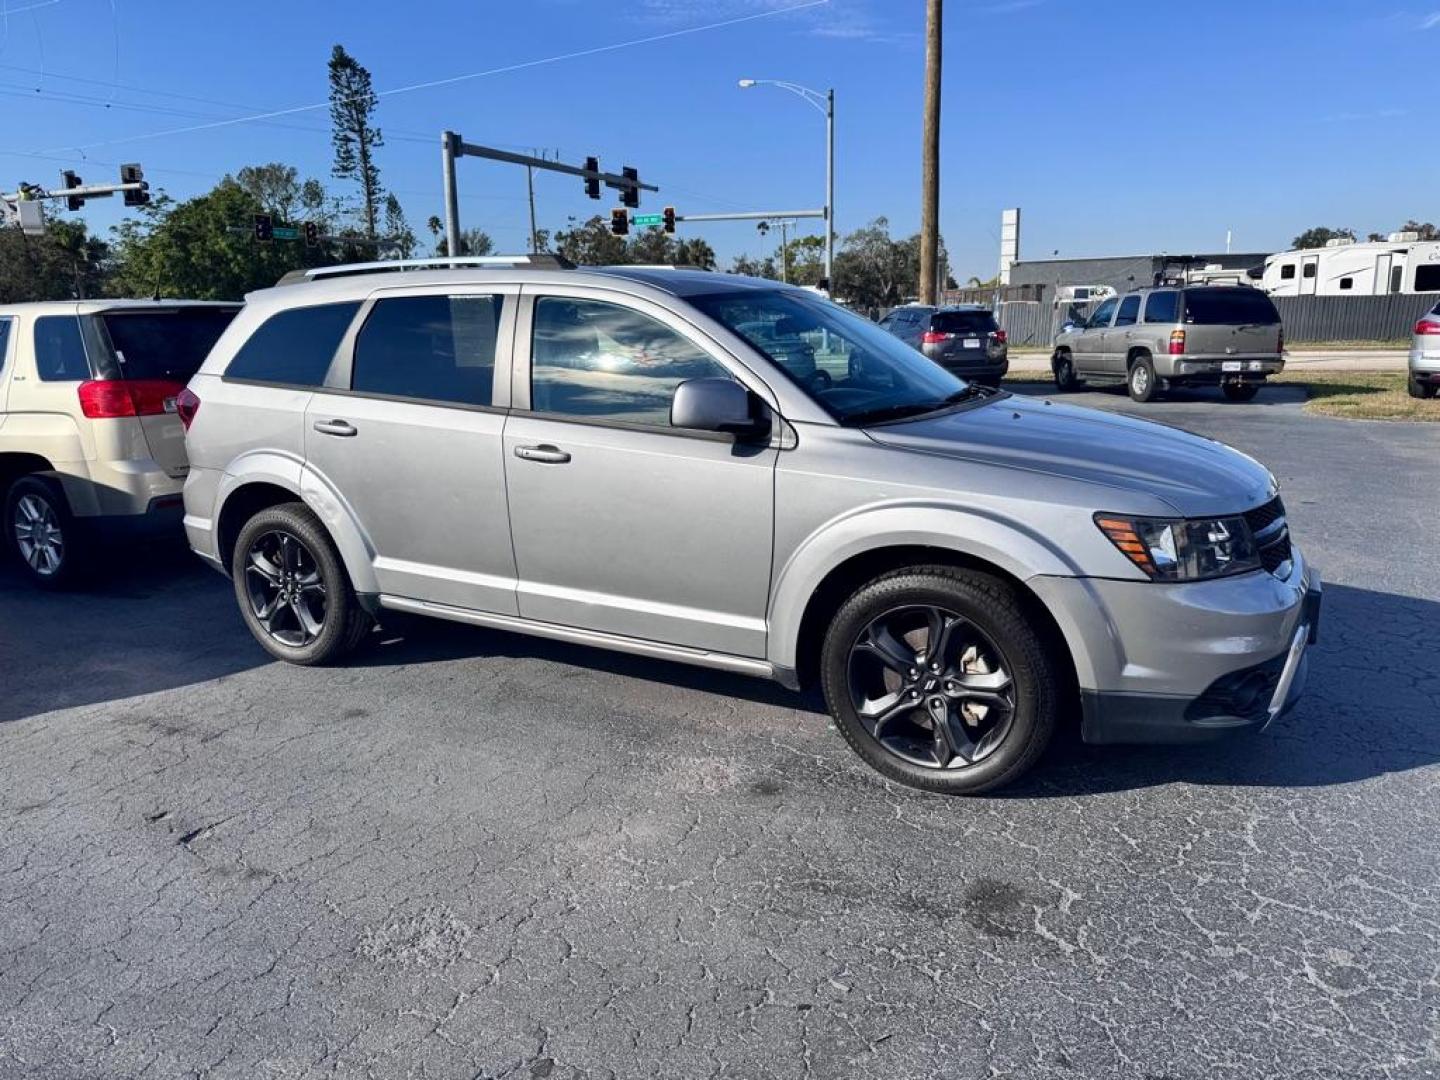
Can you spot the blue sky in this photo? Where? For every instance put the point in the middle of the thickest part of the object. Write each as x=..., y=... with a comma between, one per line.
x=1117, y=127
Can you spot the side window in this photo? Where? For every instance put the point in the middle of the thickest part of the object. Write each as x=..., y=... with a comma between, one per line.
x=1347, y=283
x=1287, y=272
x=1129, y=313
x=606, y=362
x=438, y=348
x=1308, y=270
x=293, y=347
x=59, y=350
x=4, y=341
x=1101, y=316
x=1162, y=307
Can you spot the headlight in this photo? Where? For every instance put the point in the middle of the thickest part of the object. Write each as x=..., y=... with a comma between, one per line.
x=1183, y=550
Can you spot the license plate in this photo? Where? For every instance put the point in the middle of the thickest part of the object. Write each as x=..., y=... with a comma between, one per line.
x=972, y=343
x=1230, y=365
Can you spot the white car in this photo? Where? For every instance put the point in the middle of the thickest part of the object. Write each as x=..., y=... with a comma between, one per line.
x=1425, y=356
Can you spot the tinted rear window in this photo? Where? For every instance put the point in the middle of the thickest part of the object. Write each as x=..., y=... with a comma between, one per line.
x=1214, y=307
x=59, y=350
x=437, y=348
x=294, y=347
x=164, y=344
x=964, y=322
x=4, y=340
x=1427, y=278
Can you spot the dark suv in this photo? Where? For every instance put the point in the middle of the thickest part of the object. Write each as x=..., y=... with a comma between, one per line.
x=964, y=340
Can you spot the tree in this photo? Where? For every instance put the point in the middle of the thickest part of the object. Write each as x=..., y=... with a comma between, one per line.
x=652, y=247
x=1317, y=237
x=805, y=256
x=397, y=229
x=592, y=244
x=353, y=133
x=752, y=267
x=472, y=241
x=66, y=263
x=274, y=186
x=695, y=253
x=188, y=250
x=1426, y=230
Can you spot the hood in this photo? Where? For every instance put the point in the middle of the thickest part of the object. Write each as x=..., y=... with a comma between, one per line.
x=1195, y=475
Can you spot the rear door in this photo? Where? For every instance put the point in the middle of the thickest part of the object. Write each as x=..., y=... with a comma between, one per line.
x=157, y=351
x=1230, y=323
x=407, y=432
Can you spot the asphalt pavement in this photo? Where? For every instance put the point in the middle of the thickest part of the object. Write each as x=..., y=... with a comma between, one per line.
x=470, y=854
x=1295, y=360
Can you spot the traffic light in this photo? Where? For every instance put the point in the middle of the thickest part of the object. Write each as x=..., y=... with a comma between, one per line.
x=592, y=183
x=68, y=179
x=619, y=221
x=264, y=228
x=669, y=219
x=312, y=234
x=630, y=193
x=133, y=174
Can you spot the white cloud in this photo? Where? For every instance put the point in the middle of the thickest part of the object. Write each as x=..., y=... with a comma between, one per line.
x=1431, y=21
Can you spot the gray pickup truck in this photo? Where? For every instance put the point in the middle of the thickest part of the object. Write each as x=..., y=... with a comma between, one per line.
x=1153, y=339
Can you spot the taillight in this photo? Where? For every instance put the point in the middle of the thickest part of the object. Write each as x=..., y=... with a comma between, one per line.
x=187, y=404
x=107, y=399
x=999, y=336
x=1425, y=326
x=933, y=337
x=1177, y=342
x=1280, y=342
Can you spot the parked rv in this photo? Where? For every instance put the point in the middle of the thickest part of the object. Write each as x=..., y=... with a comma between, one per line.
x=1403, y=263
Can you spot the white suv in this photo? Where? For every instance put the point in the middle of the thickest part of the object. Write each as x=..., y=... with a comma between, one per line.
x=90, y=443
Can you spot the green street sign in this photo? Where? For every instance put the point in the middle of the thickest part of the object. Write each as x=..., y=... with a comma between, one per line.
x=647, y=219
x=285, y=232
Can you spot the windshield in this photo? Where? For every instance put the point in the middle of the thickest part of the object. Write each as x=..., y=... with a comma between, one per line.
x=1234, y=306
x=854, y=370
x=164, y=344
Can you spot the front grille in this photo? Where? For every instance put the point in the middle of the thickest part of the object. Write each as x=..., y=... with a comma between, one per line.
x=1272, y=535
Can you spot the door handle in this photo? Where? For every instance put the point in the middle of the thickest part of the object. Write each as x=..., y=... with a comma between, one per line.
x=549, y=455
x=336, y=427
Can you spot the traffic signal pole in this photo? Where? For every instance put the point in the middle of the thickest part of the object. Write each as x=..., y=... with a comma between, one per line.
x=452, y=146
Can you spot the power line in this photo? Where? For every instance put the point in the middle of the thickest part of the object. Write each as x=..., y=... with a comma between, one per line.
x=452, y=80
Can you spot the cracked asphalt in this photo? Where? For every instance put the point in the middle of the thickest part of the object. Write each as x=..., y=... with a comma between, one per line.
x=477, y=855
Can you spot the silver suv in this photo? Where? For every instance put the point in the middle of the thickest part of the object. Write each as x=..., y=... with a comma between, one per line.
x=609, y=457
x=1213, y=335
x=91, y=447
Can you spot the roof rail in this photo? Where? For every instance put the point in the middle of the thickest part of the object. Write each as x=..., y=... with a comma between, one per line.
x=442, y=262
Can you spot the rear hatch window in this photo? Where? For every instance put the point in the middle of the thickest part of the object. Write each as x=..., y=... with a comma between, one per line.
x=963, y=322
x=1236, y=306
x=164, y=344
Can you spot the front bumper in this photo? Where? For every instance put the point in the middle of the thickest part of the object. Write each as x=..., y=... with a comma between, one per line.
x=1186, y=662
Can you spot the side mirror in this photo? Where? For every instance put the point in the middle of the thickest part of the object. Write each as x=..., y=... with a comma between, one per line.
x=718, y=405
x=1067, y=327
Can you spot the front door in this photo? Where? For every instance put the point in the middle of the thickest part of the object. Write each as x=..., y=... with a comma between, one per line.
x=1089, y=344
x=409, y=437
x=1121, y=336
x=621, y=523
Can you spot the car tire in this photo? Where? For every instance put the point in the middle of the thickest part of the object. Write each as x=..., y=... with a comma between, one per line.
x=1064, y=368
x=293, y=590
x=43, y=534
x=1141, y=381
x=1239, y=391
x=991, y=649
x=1418, y=389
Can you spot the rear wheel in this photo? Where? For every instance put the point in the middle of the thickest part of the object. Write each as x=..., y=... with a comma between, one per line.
x=1141, y=381
x=292, y=588
x=1240, y=391
x=938, y=679
x=1064, y=368
x=42, y=532
x=1421, y=390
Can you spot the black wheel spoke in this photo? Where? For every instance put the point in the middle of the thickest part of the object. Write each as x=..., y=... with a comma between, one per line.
x=940, y=629
x=899, y=657
x=261, y=565
x=877, y=714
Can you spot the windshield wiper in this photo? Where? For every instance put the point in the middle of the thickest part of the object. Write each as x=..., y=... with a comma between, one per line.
x=911, y=409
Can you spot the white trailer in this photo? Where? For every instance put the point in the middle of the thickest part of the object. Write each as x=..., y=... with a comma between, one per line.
x=1403, y=263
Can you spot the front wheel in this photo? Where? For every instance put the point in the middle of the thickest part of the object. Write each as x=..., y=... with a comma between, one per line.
x=1065, y=377
x=938, y=679
x=1240, y=391
x=1141, y=382
x=292, y=588
x=43, y=533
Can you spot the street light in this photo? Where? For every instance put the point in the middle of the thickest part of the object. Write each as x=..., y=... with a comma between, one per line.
x=826, y=104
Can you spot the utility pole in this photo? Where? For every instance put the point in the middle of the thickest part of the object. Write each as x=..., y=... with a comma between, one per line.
x=530, y=183
x=930, y=157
